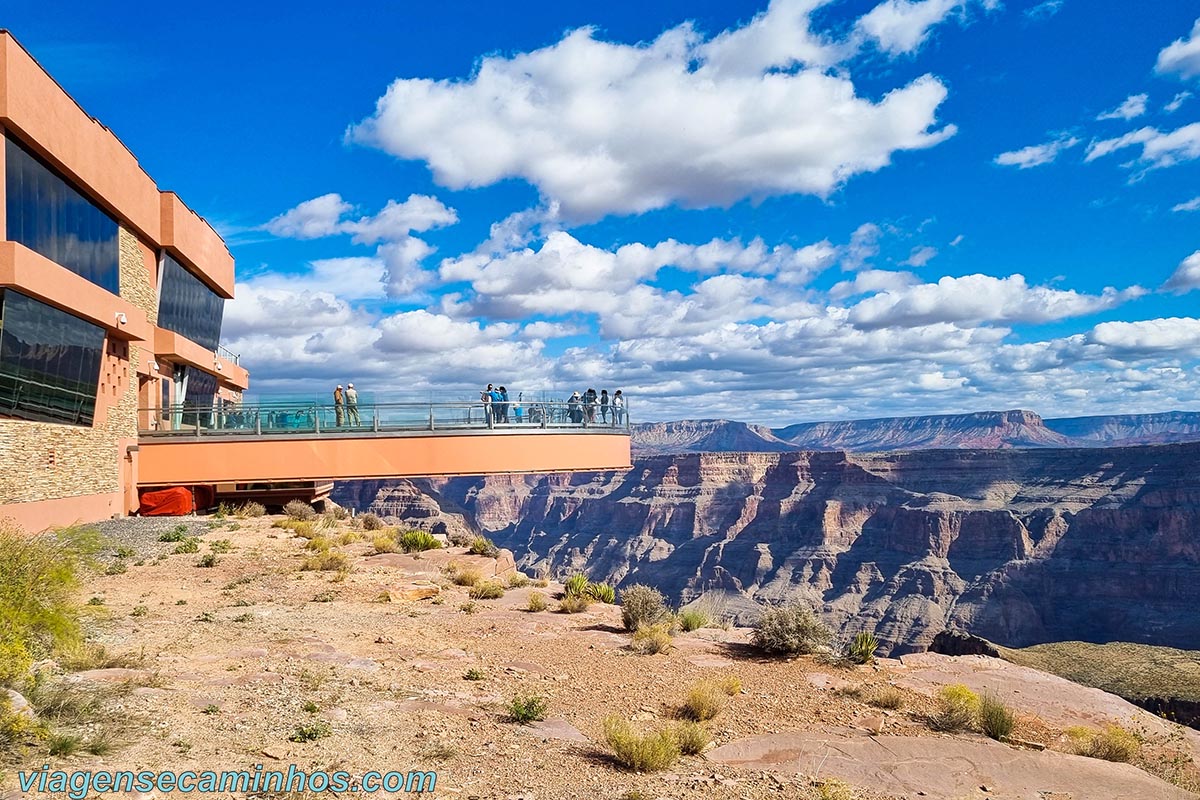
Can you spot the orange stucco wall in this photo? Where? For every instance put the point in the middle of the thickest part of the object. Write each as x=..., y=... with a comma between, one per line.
x=192, y=240
x=38, y=516
x=176, y=461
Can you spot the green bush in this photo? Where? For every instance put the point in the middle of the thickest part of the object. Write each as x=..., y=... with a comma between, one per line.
x=602, y=593
x=310, y=731
x=298, y=509
x=483, y=546
x=692, y=619
x=862, y=648
x=486, y=590
x=37, y=577
x=221, y=546
x=958, y=709
x=176, y=534
x=576, y=585
x=642, y=605
x=518, y=580
x=474, y=674
x=207, y=560
x=417, y=541
x=649, y=752
x=525, y=709
x=189, y=545
x=790, y=630
x=1114, y=743
x=996, y=719
x=537, y=602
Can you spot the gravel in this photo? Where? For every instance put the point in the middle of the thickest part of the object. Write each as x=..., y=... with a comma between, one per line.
x=140, y=534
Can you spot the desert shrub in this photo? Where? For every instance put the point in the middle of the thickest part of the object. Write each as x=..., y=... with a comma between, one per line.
x=486, y=590
x=576, y=585
x=417, y=541
x=649, y=752
x=518, y=580
x=15, y=729
x=525, y=709
x=328, y=561
x=833, y=789
x=298, y=509
x=336, y=511
x=37, y=577
x=176, y=534
x=692, y=619
x=730, y=685
x=651, y=639
x=310, y=731
x=958, y=709
x=691, y=737
x=221, y=546
x=327, y=596
x=791, y=630
x=116, y=568
x=79, y=656
x=537, y=602
x=370, y=522
x=1114, y=743
x=469, y=607
x=574, y=604
x=888, y=697
x=642, y=605
x=250, y=509
x=348, y=537
x=384, y=543
x=474, y=674
x=207, y=560
x=189, y=545
x=305, y=530
x=464, y=576
x=319, y=544
x=996, y=719
x=602, y=593
x=483, y=546
x=862, y=647
x=704, y=701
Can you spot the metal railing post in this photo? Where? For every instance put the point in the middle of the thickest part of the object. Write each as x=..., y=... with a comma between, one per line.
x=317, y=419
x=431, y=416
x=258, y=422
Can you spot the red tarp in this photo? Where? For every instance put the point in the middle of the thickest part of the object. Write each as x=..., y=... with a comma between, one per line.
x=173, y=502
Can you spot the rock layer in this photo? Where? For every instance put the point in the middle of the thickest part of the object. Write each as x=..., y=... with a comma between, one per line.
x=1016, y=546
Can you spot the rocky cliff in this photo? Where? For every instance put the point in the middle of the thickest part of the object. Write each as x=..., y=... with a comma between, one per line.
x=1130, y=429
x=1016, y=546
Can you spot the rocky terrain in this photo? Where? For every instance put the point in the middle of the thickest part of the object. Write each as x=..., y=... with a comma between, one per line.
x=234, y=654
x=1017, y=546
x=980, y=430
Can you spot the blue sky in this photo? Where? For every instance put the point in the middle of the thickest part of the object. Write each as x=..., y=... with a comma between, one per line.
x=773, y=212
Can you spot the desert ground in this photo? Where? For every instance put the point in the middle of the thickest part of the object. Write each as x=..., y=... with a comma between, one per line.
x=236, y=655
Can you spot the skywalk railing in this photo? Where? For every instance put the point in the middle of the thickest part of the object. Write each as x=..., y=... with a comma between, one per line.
x=283, y=419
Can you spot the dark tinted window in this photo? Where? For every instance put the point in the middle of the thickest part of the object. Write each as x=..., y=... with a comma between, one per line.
x=187, y=306
x=49, y=362
x=47, y=215
x=198, y=401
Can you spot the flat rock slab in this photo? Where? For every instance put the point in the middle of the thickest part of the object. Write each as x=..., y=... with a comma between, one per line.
x=709, y=661
x=111, y=675
x=558, y=729
x=941, y=768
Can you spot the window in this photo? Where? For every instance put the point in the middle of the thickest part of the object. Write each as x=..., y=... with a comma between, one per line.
x=187, y=306
x=49, y=362
x=48, y=215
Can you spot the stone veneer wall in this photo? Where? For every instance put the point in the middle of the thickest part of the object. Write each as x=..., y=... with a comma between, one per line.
x=47, y=461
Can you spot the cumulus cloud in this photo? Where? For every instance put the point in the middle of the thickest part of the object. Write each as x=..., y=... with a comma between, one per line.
x=312, y=219
x=1154, y=336
x=1189, y=205
x=1037, y=154
x=1187, y=275
x=1159, y=149
x=1182, y=56
x=602, y=127
x=1134, y=106
x=900, y=27
x=980, y=298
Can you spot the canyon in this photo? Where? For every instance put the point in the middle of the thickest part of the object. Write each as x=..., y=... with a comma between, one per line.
x=1018, y=546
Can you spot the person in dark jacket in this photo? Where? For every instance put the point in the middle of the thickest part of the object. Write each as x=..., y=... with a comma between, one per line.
x=604, y=405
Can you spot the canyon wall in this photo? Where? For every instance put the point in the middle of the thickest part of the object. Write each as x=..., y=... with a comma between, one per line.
x=1016, y=546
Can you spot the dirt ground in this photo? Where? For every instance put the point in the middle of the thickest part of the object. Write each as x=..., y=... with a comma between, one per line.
x=234, y=659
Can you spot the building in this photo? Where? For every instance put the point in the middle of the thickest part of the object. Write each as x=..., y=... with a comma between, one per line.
x=111, y=297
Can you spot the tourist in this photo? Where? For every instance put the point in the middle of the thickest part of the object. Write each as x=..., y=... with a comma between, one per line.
x=338, y=406
x=618, y=407
x=352, y=405
x=502, y=409
x=604, y=405
x=486, y=397
x=590, y=401
x=575, y=408
x=518, y=412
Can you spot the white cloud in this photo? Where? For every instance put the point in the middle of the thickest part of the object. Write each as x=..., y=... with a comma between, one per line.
x=550, y=330
x=871, y=281
x=1037, y=154
x=979, y=298
x=1153, y=336
x=353, y=278
x=1187, y=275
x=603, y=127
x=1177, y=102
x=279, y=311
x=396, y=220
x=900, y=27
x=1044, y=10
x=1159, y=149
x=957, y=240
x=920, y=256
x=312, y=219
x=1134, y=106
x=1190, y=205
x=1182, y=56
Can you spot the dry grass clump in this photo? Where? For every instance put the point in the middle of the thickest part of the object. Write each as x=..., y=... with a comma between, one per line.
x=833, y=789
x=704, y=701
x=537, y=602
x=327, y=561
x=642, y=606
x=486, y=590
x=348, y=537
x=385, y=543
x=518, y=580
x=888, y=697
x=483, y=546
x=958, y=709
x=651, y=639
x=692, y=738
x=691, y=619
x=464, y=576
x=574, y=604
x=1114, y=743
x=731, y=685
x=996, y=719
x=250, y=509
x=790, y=630
x=370, y=522
x=650, y=752
x=300, y=510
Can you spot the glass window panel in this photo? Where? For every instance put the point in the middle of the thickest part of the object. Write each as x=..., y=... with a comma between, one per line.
x=48, y=215
x=49, y=362
x=187, y=306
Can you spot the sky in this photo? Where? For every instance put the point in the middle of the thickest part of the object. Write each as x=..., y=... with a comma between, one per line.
x=775, y=212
